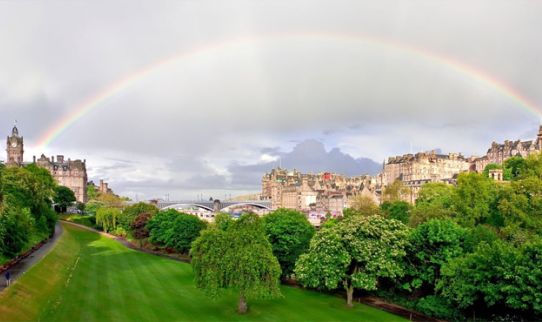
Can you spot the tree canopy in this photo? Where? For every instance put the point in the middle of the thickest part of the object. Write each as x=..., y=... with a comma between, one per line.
x=354, y=253
x=237, y=257
x=289, y=233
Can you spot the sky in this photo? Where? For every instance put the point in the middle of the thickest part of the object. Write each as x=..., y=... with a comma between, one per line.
x=204, y=97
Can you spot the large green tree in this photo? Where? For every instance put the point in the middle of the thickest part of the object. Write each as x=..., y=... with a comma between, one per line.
x=238, y=257
x=174, y=229
x=354, y=253
x=497, y=275
x=290, y=233
x=433, y=244
x=474, y=198
x=63, y=198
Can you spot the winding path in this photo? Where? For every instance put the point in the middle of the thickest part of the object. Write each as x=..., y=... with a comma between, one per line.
x=25, y=264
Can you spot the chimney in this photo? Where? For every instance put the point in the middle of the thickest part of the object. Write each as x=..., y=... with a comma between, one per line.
x=34, y=159
x=52, y=159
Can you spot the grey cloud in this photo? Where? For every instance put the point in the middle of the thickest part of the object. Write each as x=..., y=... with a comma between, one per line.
x=224, y=102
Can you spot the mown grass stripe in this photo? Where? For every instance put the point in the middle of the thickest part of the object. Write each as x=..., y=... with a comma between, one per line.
x=112, y=282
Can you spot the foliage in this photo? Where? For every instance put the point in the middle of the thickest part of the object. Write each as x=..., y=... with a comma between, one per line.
x=63, y=197
x=92, y=193
x=139, y=225
x=473, y=199
x=354, y=253
x=395, y=191
x=289, y=233
x=521, y=205
x=363, y=205
x=92, y=207
x=240, y=258
x=174, y=229
x=507, y=172
x=498, y=275
x=433, y=244
x=107, y=218
x=17, y=225
x=129, y=213
x=516, y=166
x=26, y=216
x=434, y=201
x=398, y=210
x=437, y=306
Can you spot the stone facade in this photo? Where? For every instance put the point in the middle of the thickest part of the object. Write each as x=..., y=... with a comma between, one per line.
x=68, y=173
x=498, y=153
x=322, y=192
x=424, y=166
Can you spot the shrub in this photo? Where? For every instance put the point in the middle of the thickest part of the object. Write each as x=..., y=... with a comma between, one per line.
x=174, y=229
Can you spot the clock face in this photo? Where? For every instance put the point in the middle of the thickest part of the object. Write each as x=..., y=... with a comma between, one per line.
x=14, y=144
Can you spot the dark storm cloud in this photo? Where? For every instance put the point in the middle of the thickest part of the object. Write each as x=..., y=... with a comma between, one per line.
x=307, y=156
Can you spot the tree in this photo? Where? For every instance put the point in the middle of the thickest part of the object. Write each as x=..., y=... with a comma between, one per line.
x=63, y=198
x=474, y=198
x=395, y=191
x=431, y=245
x=516, y=166
x=240, y=258
x=363, y=205
x=174, y=229
x=289, y=233
x=398, y=210
x=130, y=213
x=107, y=218
x=17, y=225
x=354, y=253
x=139, y=226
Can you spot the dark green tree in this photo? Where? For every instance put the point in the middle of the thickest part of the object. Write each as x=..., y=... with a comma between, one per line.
x=516, y=166
x=289, y=233
x=398, y=210
x=174, y=229
x=431, y=245
x=63, y=198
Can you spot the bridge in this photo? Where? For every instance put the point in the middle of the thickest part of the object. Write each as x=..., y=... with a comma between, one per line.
x=213, y=205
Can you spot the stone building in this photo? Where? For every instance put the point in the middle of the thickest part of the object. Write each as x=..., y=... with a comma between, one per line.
x=498, y=153
x=424, y=166
x=322, y=192
x=68, y=173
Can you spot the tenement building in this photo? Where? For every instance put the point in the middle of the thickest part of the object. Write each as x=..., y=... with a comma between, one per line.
x=322, y=193
x=69, y=173
x=498, y=153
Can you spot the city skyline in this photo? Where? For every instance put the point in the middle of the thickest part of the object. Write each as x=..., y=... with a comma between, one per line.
x=239, y=91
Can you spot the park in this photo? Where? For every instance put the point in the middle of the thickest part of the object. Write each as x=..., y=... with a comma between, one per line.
x=91, y=277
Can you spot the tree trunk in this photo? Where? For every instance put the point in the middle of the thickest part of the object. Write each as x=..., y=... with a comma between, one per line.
x=243, y=306
x=349, y=295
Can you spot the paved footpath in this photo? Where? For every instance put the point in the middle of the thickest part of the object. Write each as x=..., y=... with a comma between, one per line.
x=24, y=265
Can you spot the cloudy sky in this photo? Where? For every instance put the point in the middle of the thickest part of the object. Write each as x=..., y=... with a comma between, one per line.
x=215, y=93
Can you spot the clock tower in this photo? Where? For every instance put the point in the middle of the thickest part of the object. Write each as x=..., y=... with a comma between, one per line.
x=15, y=148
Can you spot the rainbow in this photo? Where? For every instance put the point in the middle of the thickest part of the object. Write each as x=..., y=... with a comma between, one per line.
x=90, y=103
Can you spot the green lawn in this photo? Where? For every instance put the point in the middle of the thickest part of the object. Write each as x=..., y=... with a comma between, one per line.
x=87, y=277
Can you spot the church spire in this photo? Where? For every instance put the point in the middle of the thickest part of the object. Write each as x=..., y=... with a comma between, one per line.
x=15, y=130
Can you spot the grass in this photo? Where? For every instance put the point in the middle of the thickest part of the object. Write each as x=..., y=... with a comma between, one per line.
x=86, y=220
x=88, y=277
